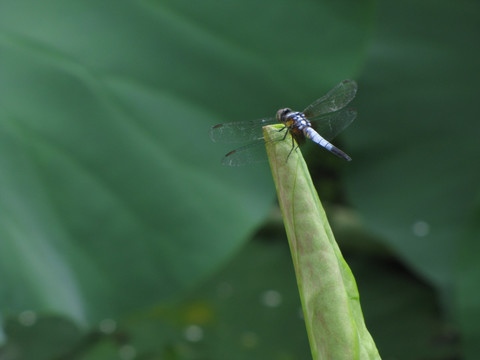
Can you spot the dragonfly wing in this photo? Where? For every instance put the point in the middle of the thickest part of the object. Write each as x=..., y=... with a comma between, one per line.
x=335, y=100
x=239, y=131
x=332, y=124
x=248, y=154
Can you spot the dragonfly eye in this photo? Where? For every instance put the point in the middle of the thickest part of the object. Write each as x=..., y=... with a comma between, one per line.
x=282, y=113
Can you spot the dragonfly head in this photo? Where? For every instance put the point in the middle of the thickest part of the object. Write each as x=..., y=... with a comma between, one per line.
x=282, y=114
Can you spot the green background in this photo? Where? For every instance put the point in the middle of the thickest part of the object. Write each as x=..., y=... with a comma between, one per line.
x=114, y=208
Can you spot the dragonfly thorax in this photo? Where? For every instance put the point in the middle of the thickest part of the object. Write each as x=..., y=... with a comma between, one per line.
x=292, y=119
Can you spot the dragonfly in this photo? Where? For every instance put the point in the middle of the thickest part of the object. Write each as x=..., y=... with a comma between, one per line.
x=320, y=122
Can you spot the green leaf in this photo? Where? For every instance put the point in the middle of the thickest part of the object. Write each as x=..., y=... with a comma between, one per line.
x=414, y=142
x=468, y=272
x=415, y=178
x=41, y=339
x=330, y=299
x=112, y=197
x=250, y=309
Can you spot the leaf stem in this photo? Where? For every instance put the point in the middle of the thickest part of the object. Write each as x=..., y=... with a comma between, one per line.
x=328, y=292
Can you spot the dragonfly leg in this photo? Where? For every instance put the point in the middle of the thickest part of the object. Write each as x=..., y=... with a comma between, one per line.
x=286, y=132
x=293, y=148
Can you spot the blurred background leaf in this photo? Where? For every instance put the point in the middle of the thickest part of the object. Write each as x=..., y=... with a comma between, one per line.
x=105, y=156
x=421, y=142
x=417, y=147
x=112, y=199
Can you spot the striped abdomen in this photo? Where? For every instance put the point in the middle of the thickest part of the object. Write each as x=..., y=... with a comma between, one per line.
x=316, y=138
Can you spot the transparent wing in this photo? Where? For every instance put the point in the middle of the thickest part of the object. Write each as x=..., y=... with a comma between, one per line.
x=335, y=100
x=332, y=124
x=248, y=154
x=240, y=131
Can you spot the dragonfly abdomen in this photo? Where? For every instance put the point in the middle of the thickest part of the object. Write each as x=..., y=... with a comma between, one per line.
x=310, y=133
